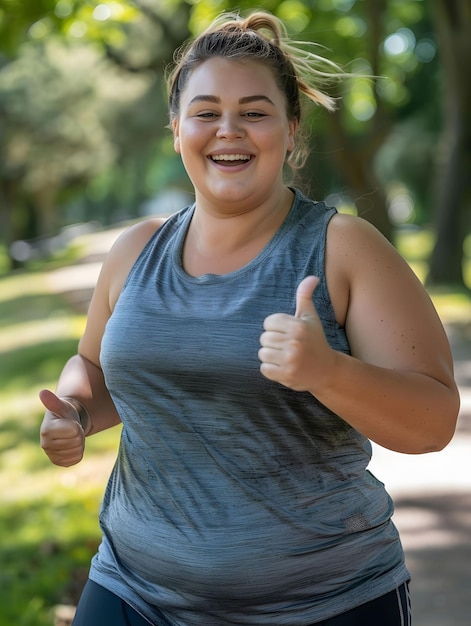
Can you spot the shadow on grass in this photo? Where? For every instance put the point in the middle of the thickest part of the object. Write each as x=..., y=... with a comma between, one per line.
x=47, y=562
x=23, y=368
x=27, y=355
x=30, y=307
x=46, y=543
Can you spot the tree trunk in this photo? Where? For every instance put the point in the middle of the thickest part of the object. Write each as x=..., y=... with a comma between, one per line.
x=8, y=201
x=355, y=156
x=356, y=165
x=47, y=218
x=453, y=198
x=6, y=227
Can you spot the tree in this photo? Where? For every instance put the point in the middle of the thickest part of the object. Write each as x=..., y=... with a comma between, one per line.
x=360, y=36
x=452, y=216
x=382, y=136
x=54, y=104
x=82, y=106
x=17, y=17
x=25, y=20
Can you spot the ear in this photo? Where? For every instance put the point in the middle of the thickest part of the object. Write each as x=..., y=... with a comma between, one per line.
x=176, y=135
x=292, y=129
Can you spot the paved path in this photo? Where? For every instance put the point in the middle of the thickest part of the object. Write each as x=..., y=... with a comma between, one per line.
x=432, y=492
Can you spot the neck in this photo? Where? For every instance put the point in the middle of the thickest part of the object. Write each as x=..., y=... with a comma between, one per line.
x=220, y=243
x=234, y=226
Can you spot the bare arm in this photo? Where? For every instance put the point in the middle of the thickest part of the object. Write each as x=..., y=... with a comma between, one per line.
x=397, y=387
x=83, y=381
x=82, y=405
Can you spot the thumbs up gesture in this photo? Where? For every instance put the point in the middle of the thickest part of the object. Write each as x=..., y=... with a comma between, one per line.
x=294, y=349
x=62, y=436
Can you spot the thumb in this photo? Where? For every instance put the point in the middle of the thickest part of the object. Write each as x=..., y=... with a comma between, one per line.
x=304, y=293
x=54, y=404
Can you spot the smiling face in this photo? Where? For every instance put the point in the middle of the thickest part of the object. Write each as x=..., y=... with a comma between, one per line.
x=233, y=133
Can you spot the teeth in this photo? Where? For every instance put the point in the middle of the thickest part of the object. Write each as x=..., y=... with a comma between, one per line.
x=230, y=157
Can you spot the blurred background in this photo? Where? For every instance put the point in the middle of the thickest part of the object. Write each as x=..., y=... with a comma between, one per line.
x=84, y=151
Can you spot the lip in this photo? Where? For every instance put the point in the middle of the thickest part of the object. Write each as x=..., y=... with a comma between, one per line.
x=231, y=163
x=229, y=152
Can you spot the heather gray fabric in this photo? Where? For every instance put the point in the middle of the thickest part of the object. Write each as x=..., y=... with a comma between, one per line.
x=234, y=500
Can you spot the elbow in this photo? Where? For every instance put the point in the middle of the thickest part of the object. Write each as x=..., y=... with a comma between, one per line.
x=438, y=438
x=433, y=442
x=442, y=440
x=435, y=445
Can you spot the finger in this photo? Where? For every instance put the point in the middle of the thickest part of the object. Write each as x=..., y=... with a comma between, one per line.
x=270, y=371
x=277, y=322
x=56, y=405
x=65, y=441
x=304, y=293
x=270, y=355
x=57, y=433
x=65, y=459
x=272, y=339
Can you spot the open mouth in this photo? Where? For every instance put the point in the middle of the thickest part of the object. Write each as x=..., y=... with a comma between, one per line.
x=230, y=159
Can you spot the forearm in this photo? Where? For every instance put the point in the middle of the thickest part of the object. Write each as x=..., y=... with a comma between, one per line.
x=83, y=381
x=404, y=411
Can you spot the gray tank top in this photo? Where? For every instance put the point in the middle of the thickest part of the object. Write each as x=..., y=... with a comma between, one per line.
x=234, y=500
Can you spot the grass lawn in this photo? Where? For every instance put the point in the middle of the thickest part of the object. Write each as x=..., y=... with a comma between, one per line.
x=48, y=515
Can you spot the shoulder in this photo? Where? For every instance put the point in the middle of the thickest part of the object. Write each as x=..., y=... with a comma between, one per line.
x=353, y=242
x=134, y=238
x=116, y=267
x=387, y=313
x=350, y=232
x=125, y=252
x=359, y=259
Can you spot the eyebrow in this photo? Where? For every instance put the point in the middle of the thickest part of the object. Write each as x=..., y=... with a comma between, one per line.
x=244, y=100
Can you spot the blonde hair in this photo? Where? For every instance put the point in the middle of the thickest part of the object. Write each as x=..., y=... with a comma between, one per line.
x=260, y=37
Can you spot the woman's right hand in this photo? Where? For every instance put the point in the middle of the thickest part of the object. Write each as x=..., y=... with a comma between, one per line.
x=62, y=436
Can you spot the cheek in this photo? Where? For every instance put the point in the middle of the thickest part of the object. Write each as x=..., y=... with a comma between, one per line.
x=190, y=138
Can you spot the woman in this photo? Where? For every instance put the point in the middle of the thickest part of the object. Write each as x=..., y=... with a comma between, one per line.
x=251, y=345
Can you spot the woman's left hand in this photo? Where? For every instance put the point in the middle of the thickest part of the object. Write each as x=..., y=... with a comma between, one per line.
x=294, y=349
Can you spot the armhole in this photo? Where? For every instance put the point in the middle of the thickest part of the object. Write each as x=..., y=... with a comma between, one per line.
x=337, y=328
x=322, y=260
x=141, y=257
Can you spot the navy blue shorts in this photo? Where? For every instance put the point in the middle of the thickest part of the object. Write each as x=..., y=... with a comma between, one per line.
x=98, y=606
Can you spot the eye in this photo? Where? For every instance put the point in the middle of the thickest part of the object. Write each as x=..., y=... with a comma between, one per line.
x=206, y=115
x=254, y=114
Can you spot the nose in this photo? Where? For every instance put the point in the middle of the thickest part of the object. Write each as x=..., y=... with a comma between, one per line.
x=230, y=128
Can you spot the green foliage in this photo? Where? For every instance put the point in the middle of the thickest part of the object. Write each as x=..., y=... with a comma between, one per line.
x=16, y=17
x=46, y=561
x=382, y=137
x=83, y=111
x=64, y=120
x=83, y=107
x=74, y=131
x=4, y=263
x=81, y=124
x=48, y=515
x=37, y=19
